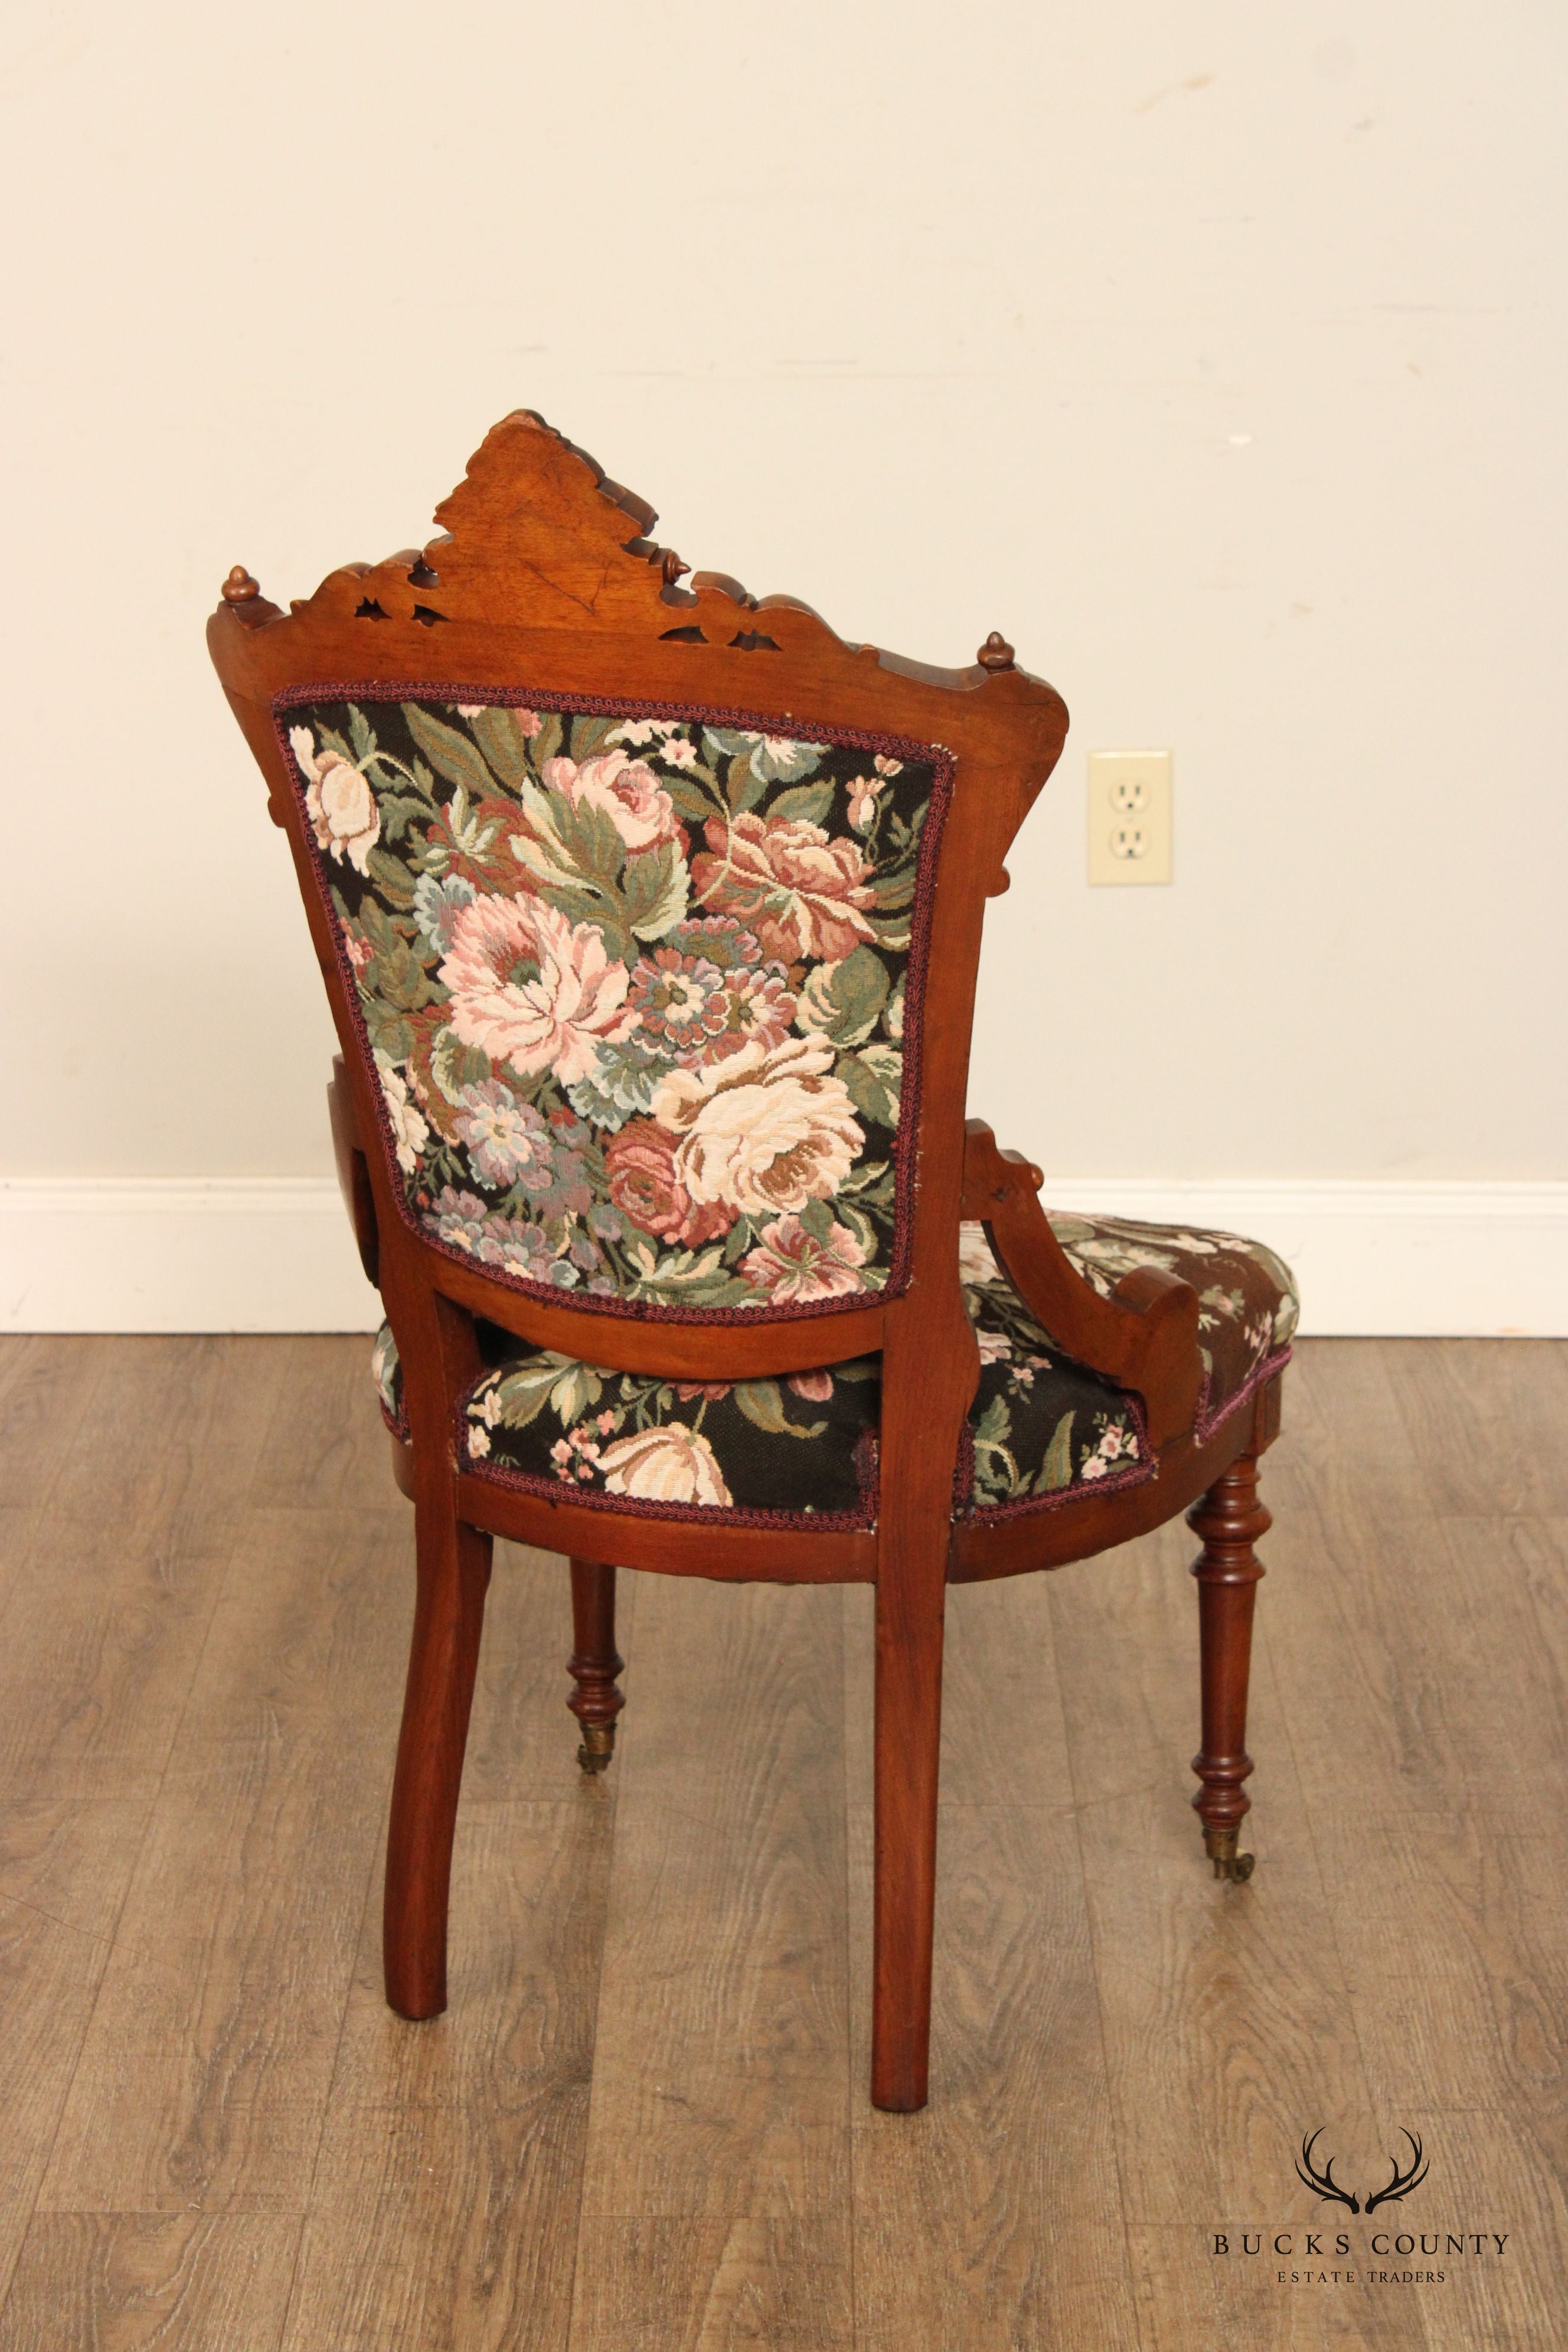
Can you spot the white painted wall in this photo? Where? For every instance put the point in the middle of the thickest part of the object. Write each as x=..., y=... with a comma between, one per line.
x=1214, y=353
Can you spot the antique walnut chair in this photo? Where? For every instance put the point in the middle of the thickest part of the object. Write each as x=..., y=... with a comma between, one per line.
x=650, y=916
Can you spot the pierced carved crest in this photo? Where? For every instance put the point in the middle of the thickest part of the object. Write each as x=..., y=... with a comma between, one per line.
x=536, y=535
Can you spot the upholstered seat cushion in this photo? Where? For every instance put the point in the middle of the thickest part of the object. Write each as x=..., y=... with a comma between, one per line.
x=804, y=1446
x=1248, y=1300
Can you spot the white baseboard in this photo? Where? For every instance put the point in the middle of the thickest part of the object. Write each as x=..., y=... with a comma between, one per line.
x=176, y=1253
x=1379, y=1259
x=274, y=1254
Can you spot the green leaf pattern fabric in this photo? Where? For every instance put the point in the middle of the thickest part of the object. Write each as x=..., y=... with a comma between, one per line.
x=1041, y=1425
x=641, y=992
x=1248, y=1306
x=803, y=1445
x=1041, y=1429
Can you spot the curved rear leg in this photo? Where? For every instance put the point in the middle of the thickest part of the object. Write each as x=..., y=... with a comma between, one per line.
x=910, y=1614
x=1230, y=1519
x=594, y=1663
x=454, y=1572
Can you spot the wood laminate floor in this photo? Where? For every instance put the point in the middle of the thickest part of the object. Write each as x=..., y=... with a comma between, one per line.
x=643, y=2124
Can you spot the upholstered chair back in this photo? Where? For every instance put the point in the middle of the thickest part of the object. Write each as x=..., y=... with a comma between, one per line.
x=651, y=915
x=640, y=986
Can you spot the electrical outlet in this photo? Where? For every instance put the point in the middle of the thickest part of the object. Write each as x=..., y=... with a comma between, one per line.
x=1130, y=817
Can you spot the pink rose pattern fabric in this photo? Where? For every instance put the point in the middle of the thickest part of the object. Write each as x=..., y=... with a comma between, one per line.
x=1030, y=1441
x=638, y=990
x=1041, y=1429
x=1248, y=1305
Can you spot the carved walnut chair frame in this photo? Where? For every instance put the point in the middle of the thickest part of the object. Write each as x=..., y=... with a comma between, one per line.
x=547, y=577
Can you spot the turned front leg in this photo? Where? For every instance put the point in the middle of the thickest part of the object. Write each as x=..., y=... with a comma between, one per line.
x=594, y=1663
x=1230, y=1519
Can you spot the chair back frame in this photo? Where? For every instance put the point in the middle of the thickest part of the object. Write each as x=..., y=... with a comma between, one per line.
x=546, y=578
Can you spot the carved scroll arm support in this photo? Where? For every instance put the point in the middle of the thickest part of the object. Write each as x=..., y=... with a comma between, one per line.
x=1145, y=1336
x=353, y=1172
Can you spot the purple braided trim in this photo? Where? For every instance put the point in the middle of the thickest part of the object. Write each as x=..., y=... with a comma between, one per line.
x=934, y=755
x=556, y=1490
x=1207, y=1423
x=398, y=1423
x=1203, y=1429
x=866, y=1464
x=987, y=1514
x=1147, y=1466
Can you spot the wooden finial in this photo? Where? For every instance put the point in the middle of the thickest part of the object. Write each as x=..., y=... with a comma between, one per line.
x=995, y=653
x=239, y=587
x=672, y=567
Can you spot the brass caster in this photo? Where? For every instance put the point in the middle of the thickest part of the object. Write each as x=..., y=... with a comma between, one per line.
x=1220, y=1847
x=598, y=1746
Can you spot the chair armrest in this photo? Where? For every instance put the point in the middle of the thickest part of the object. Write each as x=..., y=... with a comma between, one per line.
x=353, y=1172
x=1145, y=1336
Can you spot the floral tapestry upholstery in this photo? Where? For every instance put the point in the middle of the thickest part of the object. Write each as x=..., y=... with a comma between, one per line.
x=804, y=1446
x=1040, y=1425
x=1247, y=1302
x=1041, y=1429
x=642, y=991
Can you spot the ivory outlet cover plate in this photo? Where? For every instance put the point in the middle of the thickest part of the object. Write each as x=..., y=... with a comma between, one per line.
x=1129, y=816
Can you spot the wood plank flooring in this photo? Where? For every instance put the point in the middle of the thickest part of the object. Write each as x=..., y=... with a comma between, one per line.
x=643, y=2124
